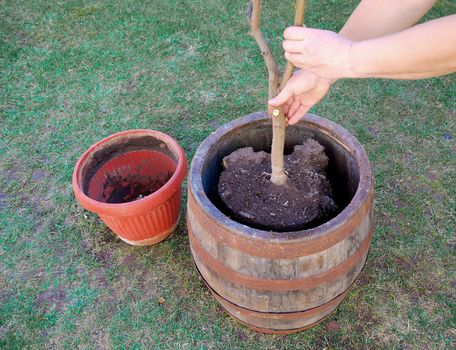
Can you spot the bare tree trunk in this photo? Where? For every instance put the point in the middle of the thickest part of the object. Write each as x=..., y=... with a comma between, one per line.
x=278, y=175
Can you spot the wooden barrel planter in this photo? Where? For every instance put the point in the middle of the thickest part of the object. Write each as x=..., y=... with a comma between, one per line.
x=280, y=282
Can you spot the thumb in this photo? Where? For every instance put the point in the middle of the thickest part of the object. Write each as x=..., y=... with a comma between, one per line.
x=284, y=95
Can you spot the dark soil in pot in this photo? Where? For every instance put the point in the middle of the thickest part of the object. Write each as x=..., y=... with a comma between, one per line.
x=306, y=200
x=114, y=177
x=127, y=188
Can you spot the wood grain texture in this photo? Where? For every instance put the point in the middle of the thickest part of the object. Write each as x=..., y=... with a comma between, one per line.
x=288, y=266
x=279, y=323
x=224, y=236
x=277, y=295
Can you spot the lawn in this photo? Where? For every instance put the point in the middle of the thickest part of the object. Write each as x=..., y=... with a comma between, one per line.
x=73, y=72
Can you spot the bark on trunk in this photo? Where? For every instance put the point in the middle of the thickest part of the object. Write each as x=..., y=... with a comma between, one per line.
x=278, y=175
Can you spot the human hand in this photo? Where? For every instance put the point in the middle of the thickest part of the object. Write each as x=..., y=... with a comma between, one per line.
x=300, y=93
x=322, y=52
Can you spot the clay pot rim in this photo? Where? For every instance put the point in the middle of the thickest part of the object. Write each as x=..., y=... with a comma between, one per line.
x=334, y=131
x=140, y=205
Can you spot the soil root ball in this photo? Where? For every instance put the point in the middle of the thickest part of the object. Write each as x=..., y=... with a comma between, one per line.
x=303, y=202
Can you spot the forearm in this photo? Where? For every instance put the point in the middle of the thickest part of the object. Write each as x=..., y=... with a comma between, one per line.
x=376, y=18
x=423, y=51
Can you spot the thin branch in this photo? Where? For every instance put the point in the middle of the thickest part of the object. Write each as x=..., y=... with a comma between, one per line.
x=253, y=16
x=300, y=9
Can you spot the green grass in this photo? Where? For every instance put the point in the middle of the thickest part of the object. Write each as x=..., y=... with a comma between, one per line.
x=74, y=72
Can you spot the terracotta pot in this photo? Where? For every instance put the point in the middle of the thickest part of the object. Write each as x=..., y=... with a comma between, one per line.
x=280, y=282
x=113, y=179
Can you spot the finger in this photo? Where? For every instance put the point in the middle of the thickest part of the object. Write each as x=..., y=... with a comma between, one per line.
x=295, y=33
x=298, y=114
x=293, y=107
x=296, y=59
x=292, y=46
x=286, y=106
x=281, y=98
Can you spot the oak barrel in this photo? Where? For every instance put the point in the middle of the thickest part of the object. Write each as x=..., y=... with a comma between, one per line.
x=280, y=282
